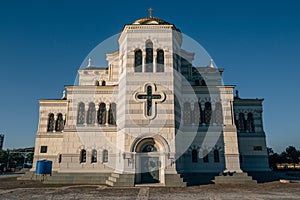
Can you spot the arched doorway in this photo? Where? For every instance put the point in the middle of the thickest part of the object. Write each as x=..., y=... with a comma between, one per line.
x=148, y=161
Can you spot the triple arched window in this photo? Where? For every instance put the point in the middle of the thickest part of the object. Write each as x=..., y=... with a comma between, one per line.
x=149, y=59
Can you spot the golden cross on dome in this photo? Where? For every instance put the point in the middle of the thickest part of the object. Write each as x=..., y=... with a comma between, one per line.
x=150, y=12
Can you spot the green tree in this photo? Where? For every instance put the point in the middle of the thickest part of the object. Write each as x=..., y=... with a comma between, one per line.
x=3, y=157
x=292, y=155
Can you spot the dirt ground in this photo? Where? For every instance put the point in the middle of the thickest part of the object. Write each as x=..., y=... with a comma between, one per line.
x=10, y=188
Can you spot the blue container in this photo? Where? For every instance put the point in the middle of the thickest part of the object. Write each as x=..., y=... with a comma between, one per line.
x=48, y=167
x=40, y=167
x=44, y=167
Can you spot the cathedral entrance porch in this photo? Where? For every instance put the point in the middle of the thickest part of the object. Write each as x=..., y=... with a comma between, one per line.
x=148, y=162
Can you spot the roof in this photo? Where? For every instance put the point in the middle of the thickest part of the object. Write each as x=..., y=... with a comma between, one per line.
x=151, y=21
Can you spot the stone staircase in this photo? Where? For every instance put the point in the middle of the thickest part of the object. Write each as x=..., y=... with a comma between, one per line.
x=77, y=178
x=120, y=180
x=174, y=180
x=68, y=178
x=235, y=178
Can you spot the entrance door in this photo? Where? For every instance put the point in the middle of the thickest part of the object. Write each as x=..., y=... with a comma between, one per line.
x=149, y=169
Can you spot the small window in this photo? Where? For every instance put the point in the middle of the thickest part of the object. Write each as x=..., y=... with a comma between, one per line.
x=105, y=156
x=94, y=156
x=194, y=156
x=59, y=158
x=205, y=156
x=44, y=149
x=103, y=83
x=82, y=156
x=216, y=156
x=257, y=148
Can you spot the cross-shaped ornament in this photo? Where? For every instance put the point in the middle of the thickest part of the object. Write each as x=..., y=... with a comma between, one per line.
x=150, y=98
x=150, y=12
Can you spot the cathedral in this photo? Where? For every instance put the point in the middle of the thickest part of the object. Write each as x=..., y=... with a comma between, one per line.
x=151, y=117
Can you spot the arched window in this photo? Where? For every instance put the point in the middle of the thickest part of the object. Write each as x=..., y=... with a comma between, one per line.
x=250, y=123
x=218, y=113
x=197, y=113
x=160, y=60
x=112, y=114
x=216, y=156
x=82, y=156
x=138, y=61
x=59, y=126
x=91, y=114
x=102, y=113
x=187, y=113
x=96, y=83
x=59, y=158
x=94, y=156
x=205, y=156
x=103, y=83
x=241, y=122
x=203, y=83
x=104, y=156
x=207, y=113
x=149, y=56
x=50, y=127
x=194, y=155
x=81, y=113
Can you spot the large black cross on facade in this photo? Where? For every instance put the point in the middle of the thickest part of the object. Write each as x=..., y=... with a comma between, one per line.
x=150, y=97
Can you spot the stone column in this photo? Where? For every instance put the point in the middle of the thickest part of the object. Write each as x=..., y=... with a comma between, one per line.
x=202, y=112
x=54, y=123
x=143, y=61
x=213, y=117
x=107, y=114
x=86, y=107
x=96, y=115
x=246, y=122
x=154, y=61
x=192, y=112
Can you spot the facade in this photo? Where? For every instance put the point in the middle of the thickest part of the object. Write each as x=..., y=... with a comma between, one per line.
x=150, y=116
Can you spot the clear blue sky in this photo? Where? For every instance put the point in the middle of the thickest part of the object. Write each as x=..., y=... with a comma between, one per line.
x=43, y=43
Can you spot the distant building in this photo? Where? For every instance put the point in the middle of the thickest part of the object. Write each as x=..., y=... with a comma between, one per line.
x=1, y=141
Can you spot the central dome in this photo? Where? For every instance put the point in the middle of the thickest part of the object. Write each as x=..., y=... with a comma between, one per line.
x=150, y=21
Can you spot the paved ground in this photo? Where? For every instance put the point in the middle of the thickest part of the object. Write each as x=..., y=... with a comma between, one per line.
x=10, y=188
